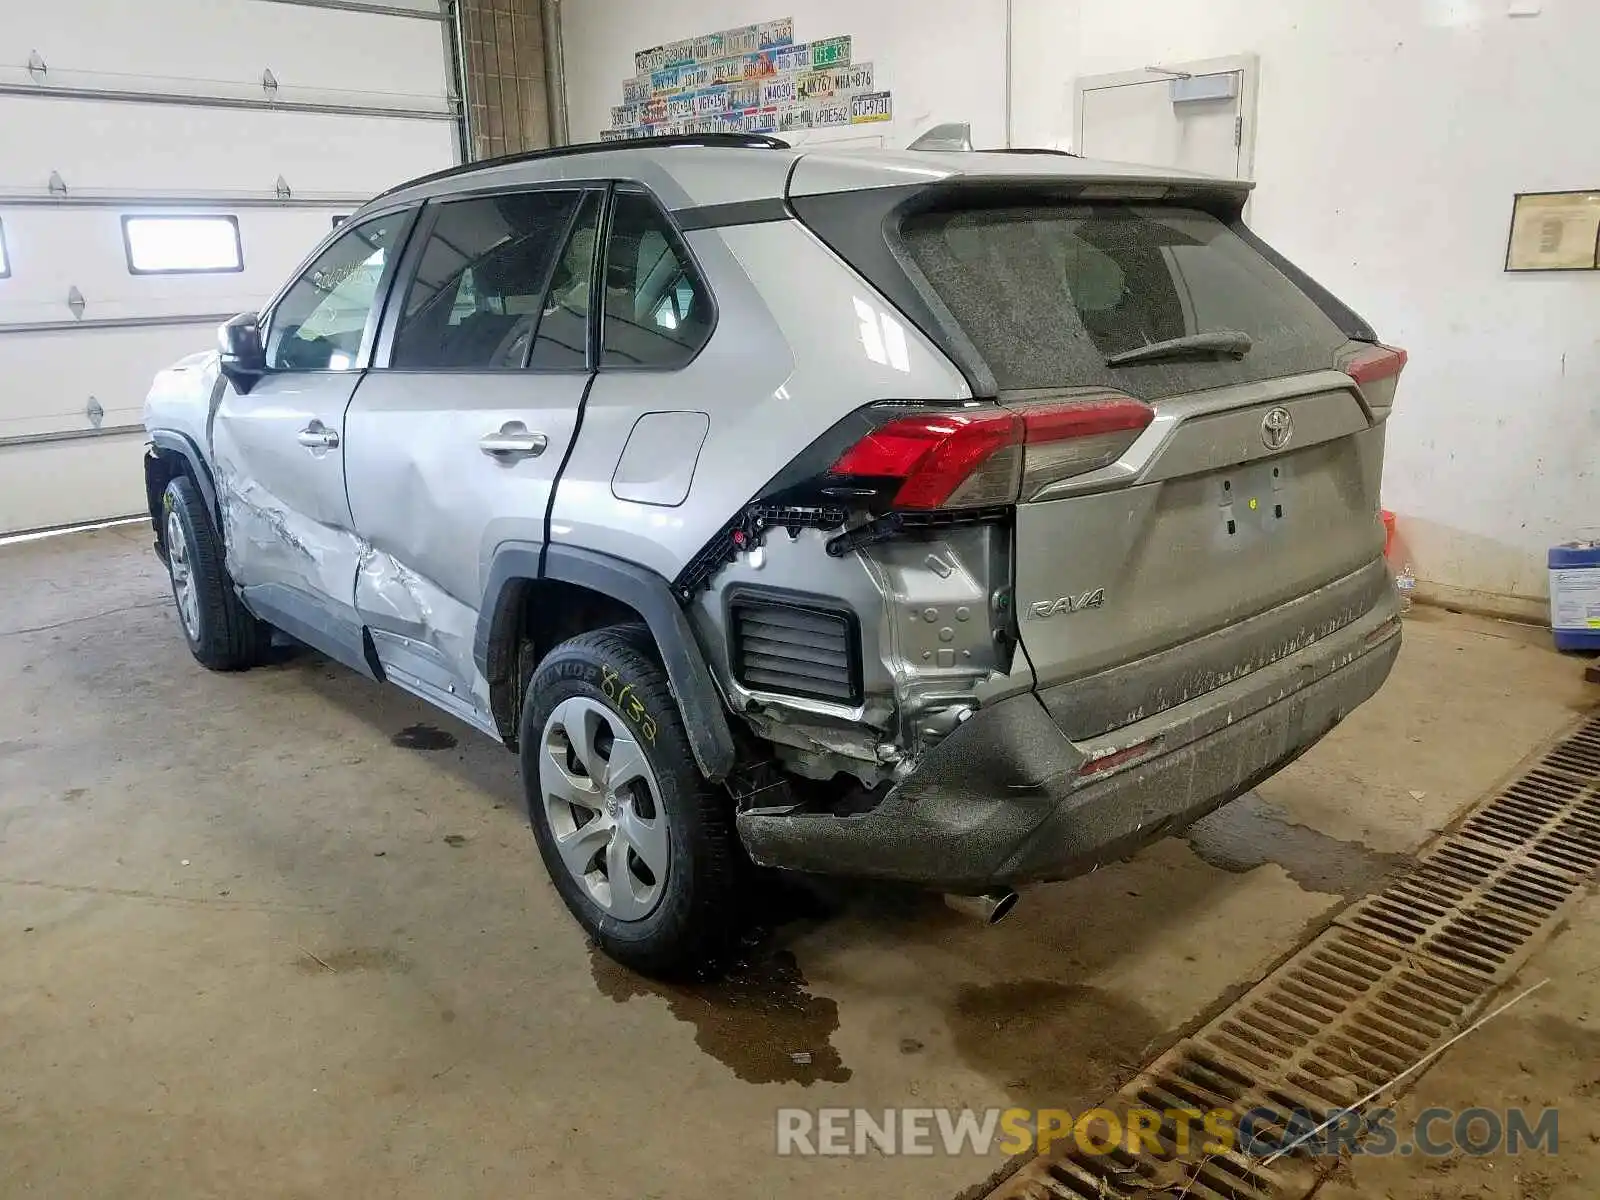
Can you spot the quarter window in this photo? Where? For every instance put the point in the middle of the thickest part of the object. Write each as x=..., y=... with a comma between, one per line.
x=174, y=245
x=658, y=312
x=319, y=323
x=478, y=296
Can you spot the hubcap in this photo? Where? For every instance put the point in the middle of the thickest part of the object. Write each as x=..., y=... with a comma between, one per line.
x=603, y=806
x=183, y=581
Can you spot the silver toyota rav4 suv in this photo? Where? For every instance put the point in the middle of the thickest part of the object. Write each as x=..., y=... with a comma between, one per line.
x=964, y=519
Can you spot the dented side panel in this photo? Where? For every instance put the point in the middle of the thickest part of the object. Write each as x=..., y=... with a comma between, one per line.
x=423, y=636
x=285, y=518
x=432, y=507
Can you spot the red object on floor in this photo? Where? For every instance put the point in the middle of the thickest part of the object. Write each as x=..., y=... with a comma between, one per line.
x=1388, y=532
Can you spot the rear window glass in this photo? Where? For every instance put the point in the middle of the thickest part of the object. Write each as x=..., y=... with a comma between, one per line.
x=1047, y=294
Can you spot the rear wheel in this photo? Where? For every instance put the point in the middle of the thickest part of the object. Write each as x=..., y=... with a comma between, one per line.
x=221, y=633
x=641, y=849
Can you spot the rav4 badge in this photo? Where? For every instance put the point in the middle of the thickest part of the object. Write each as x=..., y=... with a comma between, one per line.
x=1040, y=609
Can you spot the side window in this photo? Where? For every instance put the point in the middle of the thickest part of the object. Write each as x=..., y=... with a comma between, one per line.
x=318, y=324
x=479, y=290
x=562, y=344
x=658, y=311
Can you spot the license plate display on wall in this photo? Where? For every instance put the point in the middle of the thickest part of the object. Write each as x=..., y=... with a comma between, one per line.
x=752, y=78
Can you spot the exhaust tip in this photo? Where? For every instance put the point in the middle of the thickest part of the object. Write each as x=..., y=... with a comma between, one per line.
x=990, y=907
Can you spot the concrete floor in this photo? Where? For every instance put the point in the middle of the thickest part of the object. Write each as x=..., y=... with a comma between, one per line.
x=285, y=933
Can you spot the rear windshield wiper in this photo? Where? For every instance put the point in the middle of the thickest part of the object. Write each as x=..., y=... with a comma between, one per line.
x=1233, y=342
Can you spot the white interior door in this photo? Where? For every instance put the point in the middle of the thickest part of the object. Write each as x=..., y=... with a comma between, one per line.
x=275, y=117
x=1197, y=117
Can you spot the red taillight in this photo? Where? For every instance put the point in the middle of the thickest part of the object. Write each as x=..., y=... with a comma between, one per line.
x=982, y=456
x=1075, y=438
x=1376, y=363
x=1089, y=418
x=941, y=459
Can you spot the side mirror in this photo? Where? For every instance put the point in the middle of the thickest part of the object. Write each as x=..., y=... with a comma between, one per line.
x=242, y=360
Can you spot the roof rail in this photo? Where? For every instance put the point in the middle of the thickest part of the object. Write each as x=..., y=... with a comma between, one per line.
x=736, y=141
x=1031, y=150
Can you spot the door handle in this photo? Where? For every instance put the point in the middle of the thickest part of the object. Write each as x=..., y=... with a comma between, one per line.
x=317, y=436
x=513, y=441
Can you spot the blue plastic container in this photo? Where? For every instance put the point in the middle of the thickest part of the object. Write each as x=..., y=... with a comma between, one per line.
x=1575, y=595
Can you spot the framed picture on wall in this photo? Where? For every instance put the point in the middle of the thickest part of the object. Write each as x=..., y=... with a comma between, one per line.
x=1554, y=231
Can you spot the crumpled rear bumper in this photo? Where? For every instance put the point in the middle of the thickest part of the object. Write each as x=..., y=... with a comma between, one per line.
x=1001, y=800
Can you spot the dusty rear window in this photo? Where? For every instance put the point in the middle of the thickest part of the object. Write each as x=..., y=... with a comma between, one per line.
x=1047, y=294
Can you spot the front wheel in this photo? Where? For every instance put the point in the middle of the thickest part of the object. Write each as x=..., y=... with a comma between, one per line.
x=221, y=632
x=641, y=849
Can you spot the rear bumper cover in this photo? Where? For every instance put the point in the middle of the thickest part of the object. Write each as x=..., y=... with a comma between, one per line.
x=1001, y=801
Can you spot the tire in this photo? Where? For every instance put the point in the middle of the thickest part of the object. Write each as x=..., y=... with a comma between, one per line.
x=668, y=922
x=222, y=634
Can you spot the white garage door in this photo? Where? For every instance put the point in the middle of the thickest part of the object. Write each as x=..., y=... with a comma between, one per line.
x=133, y=124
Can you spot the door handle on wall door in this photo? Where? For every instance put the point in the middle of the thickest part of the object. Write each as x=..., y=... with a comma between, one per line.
x=317, y=436
x=513, y=441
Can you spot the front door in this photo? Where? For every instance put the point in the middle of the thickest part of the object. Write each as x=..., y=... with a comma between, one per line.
x=279, y=449
x=457, y=434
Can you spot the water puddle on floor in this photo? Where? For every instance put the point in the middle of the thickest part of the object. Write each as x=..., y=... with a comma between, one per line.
x=423, y=737
x=1249, y=833
x=758, y=1020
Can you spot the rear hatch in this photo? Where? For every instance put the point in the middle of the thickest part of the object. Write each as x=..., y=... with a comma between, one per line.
x=1239, y=464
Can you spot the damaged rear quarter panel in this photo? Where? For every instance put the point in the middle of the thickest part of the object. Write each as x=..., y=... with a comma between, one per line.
x=801, y=341
x=928, y=608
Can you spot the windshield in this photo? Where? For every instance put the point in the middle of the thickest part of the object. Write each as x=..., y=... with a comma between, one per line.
x=1047, y=294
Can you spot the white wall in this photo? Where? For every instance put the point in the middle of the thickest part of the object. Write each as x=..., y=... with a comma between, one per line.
x=1391, y=136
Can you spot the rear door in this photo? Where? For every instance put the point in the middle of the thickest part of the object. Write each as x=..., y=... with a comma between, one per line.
x=1255, y=482
x=454, y=440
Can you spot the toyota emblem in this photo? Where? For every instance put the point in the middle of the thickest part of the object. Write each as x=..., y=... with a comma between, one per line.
x=1276, y=429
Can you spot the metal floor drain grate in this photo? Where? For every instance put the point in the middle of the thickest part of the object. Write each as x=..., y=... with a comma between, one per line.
x=1467, y=905
x=1394, y=977
x=1342, y=1016
x=1546, y=816
x=1579, y=754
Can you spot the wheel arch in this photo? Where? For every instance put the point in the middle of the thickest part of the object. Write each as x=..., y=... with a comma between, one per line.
x=549, y=594
x=173, y=454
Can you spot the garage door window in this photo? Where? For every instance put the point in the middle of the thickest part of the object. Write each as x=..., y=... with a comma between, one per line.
x=5, y=257
x=172, y=245
x=478, y=295
x=320, y=322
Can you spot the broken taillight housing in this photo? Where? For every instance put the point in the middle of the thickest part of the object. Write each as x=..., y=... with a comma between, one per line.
x=979, y=457
x=1376, y=370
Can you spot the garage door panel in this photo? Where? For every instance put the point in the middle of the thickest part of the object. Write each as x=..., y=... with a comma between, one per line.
x=179, y=150
x=65, y=483
x=310, y=49
x=52, y=249
x=56, y=373
x=156, y=107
